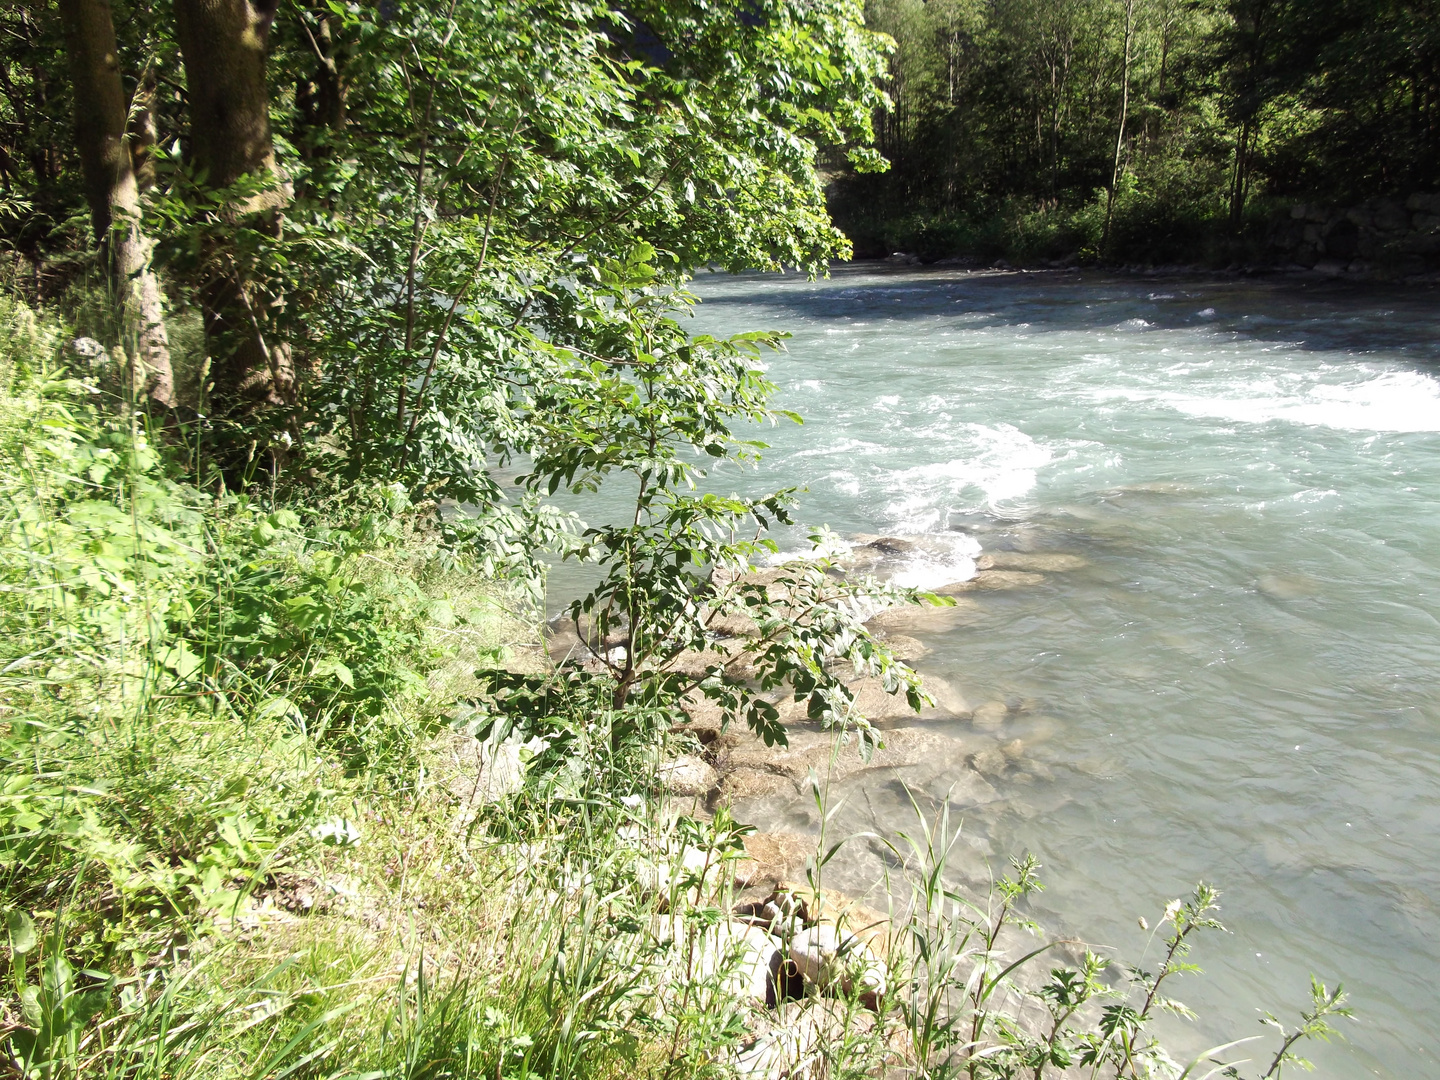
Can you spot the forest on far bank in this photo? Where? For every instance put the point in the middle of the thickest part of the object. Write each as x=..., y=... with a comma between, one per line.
x=1151, y=130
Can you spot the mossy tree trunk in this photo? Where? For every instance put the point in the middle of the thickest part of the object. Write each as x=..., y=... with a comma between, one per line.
x=111, y=188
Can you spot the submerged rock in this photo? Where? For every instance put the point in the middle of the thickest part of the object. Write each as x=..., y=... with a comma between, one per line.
x=990, y=762
x=923, y=618
x=772, y=857
x=1287, y=586
x=1030, y=561
x=990, y=716
x=758, y=769
x=744, y=782
x=873, y=702
x=992, y=579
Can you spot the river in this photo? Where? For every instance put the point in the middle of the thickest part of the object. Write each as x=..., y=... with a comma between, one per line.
x=1239, y=681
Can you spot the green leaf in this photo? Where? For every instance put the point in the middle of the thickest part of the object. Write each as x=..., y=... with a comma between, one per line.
x=32, y=1009
x=330, y=667
x=23, y=938
x=179, y=659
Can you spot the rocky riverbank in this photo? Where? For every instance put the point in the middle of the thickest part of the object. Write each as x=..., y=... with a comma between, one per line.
x=1383, y=240
x=790, y=930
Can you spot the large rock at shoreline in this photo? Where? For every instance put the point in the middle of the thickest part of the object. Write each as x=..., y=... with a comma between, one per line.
x=828, y=957
x=477, y=773
x=903, y=647
x=1038, y=562
x=743, y=955
x=688, y=775
x=830, y=907
x=874, y=703
x=987, y=580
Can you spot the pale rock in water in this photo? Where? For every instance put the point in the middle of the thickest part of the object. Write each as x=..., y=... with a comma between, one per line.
x=688, y=775
x=1287, y=586
x=1029, y=561
x=990, y=580
x=923, y=618
x=989, y=762
x=874, y=702
x=825, y=955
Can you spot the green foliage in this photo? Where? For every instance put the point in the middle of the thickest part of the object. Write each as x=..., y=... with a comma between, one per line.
x=1007, y=116
x=205, y=698
x=450, y=252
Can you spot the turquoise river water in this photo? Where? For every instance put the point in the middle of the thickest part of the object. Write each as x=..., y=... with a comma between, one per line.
x=1242, y=682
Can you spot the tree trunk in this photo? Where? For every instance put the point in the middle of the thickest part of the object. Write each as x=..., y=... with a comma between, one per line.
x=223, y=43
x=112, y=190
x=1124, y=118
x=1241, y=177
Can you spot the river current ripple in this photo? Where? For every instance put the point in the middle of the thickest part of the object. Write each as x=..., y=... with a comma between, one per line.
x=1242, y=683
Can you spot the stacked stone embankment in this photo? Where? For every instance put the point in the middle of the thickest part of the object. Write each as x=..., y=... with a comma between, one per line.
x=1387, y=238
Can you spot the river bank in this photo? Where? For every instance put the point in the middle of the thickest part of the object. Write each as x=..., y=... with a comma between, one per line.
x=279, y=800
x=1387, y=241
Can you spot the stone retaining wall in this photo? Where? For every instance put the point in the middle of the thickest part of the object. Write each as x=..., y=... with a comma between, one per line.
x=1380, y=237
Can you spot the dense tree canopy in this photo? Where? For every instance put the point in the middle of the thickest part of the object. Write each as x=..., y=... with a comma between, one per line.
x=1008, y=115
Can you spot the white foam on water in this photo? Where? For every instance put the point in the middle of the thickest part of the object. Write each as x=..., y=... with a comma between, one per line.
x=831, y=547
x=1393, y=401
x=1002, y=465
x=942, y=559
x=841, y=446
